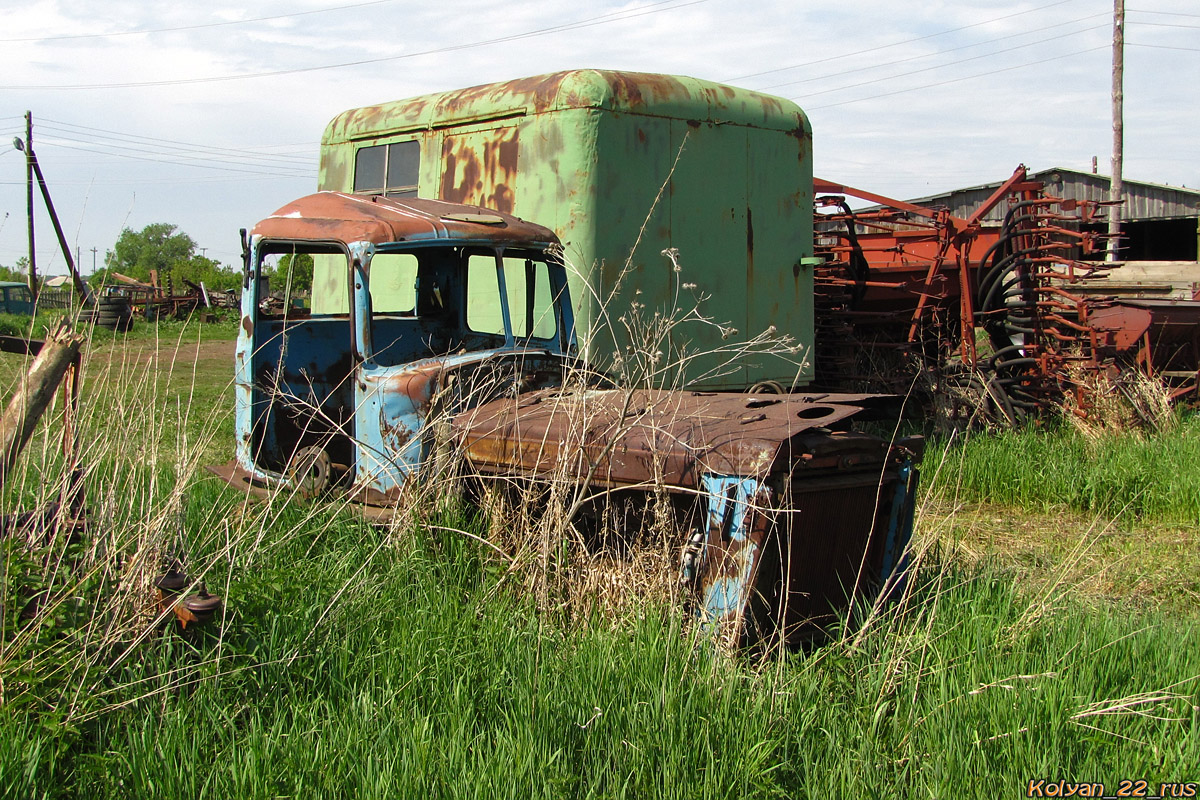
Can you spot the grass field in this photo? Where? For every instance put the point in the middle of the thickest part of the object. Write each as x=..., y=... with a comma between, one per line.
x=1049, y=631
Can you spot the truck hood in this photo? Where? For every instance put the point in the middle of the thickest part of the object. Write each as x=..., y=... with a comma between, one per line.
x=635, y=437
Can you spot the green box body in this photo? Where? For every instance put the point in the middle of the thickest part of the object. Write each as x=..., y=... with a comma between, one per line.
x=622, y=166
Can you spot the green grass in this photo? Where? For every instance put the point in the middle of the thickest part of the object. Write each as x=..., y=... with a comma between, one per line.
x=1153, y=476
x=359, y=661
x=353, y=664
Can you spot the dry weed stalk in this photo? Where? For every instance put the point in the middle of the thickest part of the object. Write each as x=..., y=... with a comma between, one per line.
x=1111, y=401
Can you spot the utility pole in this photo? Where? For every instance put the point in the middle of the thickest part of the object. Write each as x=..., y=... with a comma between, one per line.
x=33, y=283
x=93, y=261
x=1116, y=190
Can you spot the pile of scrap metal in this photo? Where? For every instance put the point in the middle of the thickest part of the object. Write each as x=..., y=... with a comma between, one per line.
x=450, y=331
x=56, y=362
x=987, y=323
x=155, y=301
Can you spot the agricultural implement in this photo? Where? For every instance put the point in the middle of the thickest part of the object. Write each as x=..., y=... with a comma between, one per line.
x=456, y=338
x=1006, y=322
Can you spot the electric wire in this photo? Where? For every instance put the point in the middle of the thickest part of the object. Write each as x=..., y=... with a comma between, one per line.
x=930, y=55
x=1163, y=47
x=954, y=80
x=603, y=19
x=225, y=23
x=155, y=140
x=177, y=162
x=215, y=154
x=952, y=63
x=897, y=44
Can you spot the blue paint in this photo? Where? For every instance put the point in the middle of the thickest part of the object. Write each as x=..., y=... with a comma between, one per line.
x=370, y=379
x=729, y=499
x=899, y=530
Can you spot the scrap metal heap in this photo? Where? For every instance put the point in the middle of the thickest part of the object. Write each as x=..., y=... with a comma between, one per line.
x=1003, y=323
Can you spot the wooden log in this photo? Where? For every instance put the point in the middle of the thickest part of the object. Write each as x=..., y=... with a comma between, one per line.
x=34, y=394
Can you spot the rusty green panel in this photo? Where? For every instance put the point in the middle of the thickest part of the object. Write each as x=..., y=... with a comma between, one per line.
x=586, y=152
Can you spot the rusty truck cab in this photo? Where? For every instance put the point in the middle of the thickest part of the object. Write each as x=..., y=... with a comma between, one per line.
x=435, y=307
x=441, y=328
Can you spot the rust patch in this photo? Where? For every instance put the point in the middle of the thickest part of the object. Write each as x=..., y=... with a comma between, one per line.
x=480, y=168
x=672, y=436
x=340, y=217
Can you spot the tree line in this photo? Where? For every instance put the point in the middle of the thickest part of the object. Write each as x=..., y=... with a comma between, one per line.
x=163, y=249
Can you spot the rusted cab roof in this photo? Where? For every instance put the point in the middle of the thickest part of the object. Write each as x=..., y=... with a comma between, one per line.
x=339, y=217
x=673, y=96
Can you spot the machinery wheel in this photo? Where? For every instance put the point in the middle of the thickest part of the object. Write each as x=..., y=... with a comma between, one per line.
x=767, y=387
x=312, y=470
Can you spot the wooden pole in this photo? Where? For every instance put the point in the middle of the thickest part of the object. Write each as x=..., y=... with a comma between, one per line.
x=34, y=394
x=33, y=281
x=1117, y=190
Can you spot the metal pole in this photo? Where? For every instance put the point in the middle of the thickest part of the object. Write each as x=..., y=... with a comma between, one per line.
x=33, y=282
x=1116, y=190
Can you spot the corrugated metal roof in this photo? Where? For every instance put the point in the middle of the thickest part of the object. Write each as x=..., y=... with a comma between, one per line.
x=1143, y=201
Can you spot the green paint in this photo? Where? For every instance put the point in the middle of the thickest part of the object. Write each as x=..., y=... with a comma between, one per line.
x=594, y=149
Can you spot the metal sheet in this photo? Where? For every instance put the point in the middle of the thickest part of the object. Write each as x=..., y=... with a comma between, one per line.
x=630, y=439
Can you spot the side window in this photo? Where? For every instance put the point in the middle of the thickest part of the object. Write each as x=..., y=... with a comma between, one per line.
x=330, y=279
x=388, y=169
x=484, y=314
x=530, y=301
x=530, y=297
x=394, y=284
x=296, y=283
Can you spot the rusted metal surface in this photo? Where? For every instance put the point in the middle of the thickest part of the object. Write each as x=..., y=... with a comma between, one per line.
x=634, y=438
x=906, y=294
x=345, y=218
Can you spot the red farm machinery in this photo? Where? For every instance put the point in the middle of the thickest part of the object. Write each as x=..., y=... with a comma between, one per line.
x=993, y=323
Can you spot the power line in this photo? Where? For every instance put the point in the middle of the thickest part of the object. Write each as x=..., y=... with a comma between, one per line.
x=1164, y=13
x=226, y=23
x=870, y=67
x=225, y=155
x=603, y=19
x=956, y=80
x=126, y=135
x=897, y=44
x=956, y=63
x=1163, y=47
x=1164, y=25
x=182, y=163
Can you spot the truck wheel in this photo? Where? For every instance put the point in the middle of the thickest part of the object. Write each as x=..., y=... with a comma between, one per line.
x=312, y=470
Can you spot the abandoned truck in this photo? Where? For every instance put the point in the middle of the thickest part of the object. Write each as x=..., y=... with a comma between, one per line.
x=456, y=333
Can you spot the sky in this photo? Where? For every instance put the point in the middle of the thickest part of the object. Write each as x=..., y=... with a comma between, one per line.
x=209, y=116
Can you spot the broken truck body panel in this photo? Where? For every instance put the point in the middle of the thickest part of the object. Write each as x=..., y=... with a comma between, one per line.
x=612, y=161
x=457, y=334
x=798, y=511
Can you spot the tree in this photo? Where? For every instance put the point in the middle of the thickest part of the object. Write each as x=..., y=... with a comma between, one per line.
x=213, y=274
x=163, y=248
x=19, y=273
x=156, y=247
x=301, y=267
